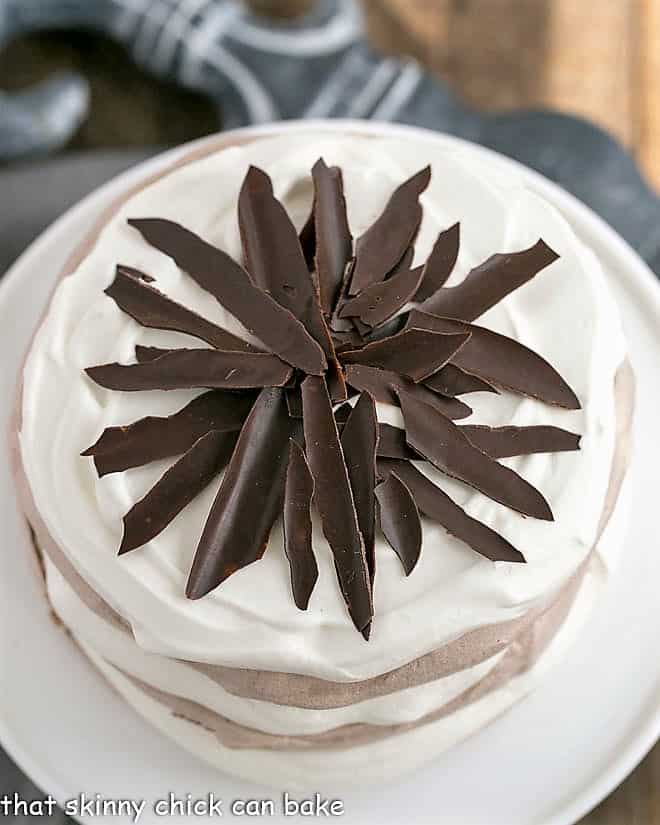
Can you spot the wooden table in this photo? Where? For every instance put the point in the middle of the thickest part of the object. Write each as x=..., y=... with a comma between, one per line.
x=596, y=59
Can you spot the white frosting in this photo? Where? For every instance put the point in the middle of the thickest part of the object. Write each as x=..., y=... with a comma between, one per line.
x=181, y=680
x=565, y=314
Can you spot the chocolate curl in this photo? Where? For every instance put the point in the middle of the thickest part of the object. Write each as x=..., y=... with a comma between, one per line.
x=384, y=385
x=249, y=499
x=440, y=263
x=399, y=520
x=334, y=501
x=442, y=443
x=359, y=441
x=502, y=361
x=153, y=438
x=299, y=489
x=436, y=505
x=151, y=308
x=487, y=284
x=334, y=242
x=415, y=353
x=383, y=245
x=190, y=368
x=230, y=284
x=276, y=262
x=380, y=301
x=176, y=488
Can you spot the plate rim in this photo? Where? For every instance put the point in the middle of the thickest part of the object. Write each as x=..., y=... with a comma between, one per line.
x=638, y=277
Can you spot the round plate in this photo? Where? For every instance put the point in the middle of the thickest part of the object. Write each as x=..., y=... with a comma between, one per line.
x=546, y=762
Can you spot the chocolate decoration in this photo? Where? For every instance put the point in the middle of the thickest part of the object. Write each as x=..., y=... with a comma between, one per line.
x=392, y=444
x=249, y=499
x=488, y=283
x=277, y=265
x=176, y=488
x=383, y=245
x=436, y=505
x=453, y=381
x=307, y=238
x=377, y=303
x=384, y=385
x=294, y=402
x=189, y=368
x=230, y=284
x=151, y=308
x=299, y=489
x=399, y=520
x=415, y=353
x=151, y=438
x=144, y=354
x=503, y=442
x=440, y=262
x=442, y=443
x=359, y=440
x=503, y=362
x=334, y=242
x=334, y=501
x=318, y=311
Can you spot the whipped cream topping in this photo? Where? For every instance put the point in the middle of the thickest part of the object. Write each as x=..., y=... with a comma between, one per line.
x=565, y=314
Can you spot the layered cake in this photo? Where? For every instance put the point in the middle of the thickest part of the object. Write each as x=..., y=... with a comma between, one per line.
x=323, y=441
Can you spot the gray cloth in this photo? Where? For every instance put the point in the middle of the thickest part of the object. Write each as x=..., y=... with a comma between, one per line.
x=320, y=67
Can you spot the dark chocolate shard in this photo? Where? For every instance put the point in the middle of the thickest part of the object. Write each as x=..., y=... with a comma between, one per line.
x=294, y=402
x=502, y=362
x=392, y=444
x=144, y=354
x=380, y=301
x=359, y=440
x=299, y=489
x=276, y=263
x=404, y=264
x=415, y=353
x=399, y=520
x=334, y=242
x=488, y=283
x=442, y=443
x=151, y=308
x=453, y=381
x=503, y=442
x=383, y=245
x=230, y=284
x=436, y=505
x=176, y=488
x=342, y=413
x=384, y=385
x=307, y=238
x=189, y=368
x=153, y=438
x=440, y=262
x=334, y=501
x=249, y=499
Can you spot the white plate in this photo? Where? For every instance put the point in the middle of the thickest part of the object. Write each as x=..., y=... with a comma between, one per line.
x=546, y=762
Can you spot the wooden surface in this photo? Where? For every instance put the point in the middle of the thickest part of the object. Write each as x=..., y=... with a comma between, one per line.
x=596, y=59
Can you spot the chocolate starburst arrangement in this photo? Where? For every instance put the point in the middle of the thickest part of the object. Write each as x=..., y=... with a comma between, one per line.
x=341, y=325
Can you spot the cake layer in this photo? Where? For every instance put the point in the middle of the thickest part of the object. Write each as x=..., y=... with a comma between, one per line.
x=250, y=621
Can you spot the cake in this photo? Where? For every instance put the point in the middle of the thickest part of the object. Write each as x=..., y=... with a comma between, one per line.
x=323, y=442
